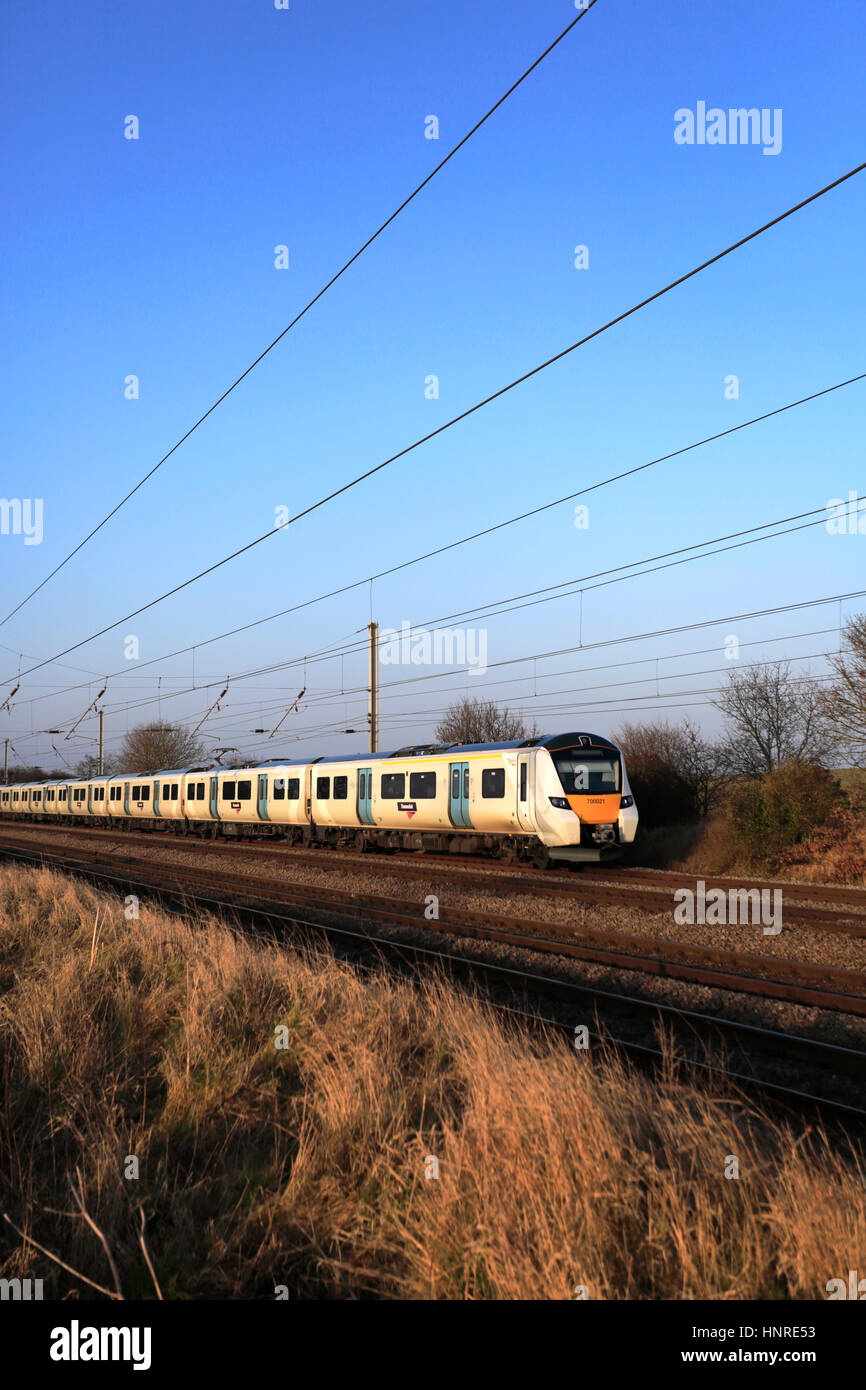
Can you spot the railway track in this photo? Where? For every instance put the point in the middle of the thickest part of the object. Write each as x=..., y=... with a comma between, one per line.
x=669, y=878
x=590, y=887
x=271, y=901
x=741, y=971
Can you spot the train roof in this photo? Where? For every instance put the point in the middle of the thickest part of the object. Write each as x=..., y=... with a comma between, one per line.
x=552, y=742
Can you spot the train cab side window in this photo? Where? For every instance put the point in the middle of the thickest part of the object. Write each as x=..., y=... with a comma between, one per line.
x=228, y=791
x=323, y=788
x=293, y=789
x=393, y=786
x=245, y=791
x=493, y=782
x=341, y=788
x=279, y=789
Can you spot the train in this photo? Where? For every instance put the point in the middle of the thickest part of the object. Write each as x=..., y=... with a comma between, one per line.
x=548, y=799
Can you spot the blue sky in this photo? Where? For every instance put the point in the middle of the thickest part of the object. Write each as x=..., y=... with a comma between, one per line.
x=305, y=127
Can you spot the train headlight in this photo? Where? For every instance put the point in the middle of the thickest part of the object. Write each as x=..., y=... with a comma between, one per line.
x=560, y=802
x=625, y=802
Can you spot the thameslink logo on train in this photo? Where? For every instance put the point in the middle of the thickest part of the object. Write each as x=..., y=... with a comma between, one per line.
x=737, y=907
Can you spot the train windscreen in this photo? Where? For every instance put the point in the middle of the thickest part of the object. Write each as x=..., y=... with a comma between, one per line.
x=587, y=770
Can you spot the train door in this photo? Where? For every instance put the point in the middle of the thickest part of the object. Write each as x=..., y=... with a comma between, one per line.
x=263, y=796
x=156, y=796
x=524, y=799
x=126, y=798
x=214, y=804
x=90, y=799
x=365, y=795
x=458, y=799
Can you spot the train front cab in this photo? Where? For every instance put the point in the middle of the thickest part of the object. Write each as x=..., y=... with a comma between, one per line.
x=584, y=808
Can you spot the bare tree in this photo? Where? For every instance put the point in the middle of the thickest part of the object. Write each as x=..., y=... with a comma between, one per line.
x=773, y=718
x=844, y=702
x=89, y=767
x=32, y=772
x=679, y=748
x=158, y=746
x=481, y=721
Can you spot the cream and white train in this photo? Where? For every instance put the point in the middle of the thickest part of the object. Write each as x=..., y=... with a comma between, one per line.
x=564, y=797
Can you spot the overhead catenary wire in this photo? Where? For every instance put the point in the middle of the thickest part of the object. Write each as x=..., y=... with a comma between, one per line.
x=629, y=638
x=586, y=6
x=432, y=434
x=452, y=545
x=516, y=601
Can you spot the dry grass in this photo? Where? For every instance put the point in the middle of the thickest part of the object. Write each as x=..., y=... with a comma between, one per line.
x=305, y=1167
x=835, y=853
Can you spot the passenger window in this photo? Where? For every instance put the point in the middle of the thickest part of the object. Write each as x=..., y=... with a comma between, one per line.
x=393, y=785
x=422, y=786
x=341, y=788
x=493, y=782
x=245, y=791
x=145, y=793
x=279, y=789
x=200, y=796
x=228, y=791
x=323, y=788
x=293, y=789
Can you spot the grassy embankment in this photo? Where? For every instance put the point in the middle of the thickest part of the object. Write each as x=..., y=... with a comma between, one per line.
x=835, y=853
x=305, y=1166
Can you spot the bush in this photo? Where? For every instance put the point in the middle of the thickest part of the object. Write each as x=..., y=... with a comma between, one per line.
x=767, y=816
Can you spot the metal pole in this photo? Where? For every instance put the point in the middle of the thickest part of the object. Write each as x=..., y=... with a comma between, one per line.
x=373, y=629
x=6, y=764
x=100, y=765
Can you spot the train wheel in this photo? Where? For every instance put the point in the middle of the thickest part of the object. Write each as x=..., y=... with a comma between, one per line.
x=541, y=856
x=361, y=841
